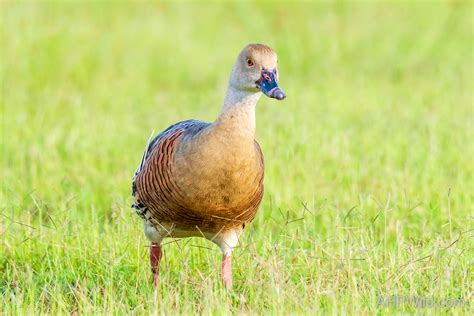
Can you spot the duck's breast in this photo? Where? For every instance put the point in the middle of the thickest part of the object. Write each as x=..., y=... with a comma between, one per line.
x=221, y=179
x=187, y=179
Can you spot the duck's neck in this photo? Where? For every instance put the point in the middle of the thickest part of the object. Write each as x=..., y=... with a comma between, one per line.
x=237, y=117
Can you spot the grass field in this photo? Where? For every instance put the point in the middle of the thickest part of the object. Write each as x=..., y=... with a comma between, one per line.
x=369, y=168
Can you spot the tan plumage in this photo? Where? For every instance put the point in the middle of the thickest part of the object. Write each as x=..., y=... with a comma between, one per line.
x=176, y=192
x=206, y=179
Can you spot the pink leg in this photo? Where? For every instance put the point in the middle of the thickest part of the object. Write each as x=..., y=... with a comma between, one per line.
x=155, y=258
x=227, y=271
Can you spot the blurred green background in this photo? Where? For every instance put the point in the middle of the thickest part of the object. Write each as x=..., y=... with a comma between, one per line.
x=373, y=147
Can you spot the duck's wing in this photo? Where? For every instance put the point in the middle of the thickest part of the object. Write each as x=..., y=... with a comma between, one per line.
x=189, y=126
x=163, y=142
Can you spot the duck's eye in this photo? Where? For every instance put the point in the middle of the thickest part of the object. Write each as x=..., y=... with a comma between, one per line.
x=249, y=62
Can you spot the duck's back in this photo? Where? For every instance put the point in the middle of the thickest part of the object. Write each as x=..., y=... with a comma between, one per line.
x=178, y=184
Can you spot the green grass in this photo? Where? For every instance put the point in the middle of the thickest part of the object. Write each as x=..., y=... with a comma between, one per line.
x=372, y=150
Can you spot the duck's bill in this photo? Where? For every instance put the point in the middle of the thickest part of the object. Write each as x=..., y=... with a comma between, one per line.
x=268, y=84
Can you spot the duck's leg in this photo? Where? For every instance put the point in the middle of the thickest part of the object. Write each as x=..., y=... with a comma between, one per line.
x=227, y=241
x=227, y=270
x=155, y=258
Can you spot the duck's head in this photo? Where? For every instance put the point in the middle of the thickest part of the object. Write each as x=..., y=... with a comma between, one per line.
x=256, y=69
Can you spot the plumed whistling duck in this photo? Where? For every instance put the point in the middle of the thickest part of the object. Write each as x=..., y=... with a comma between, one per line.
x=206, y=179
